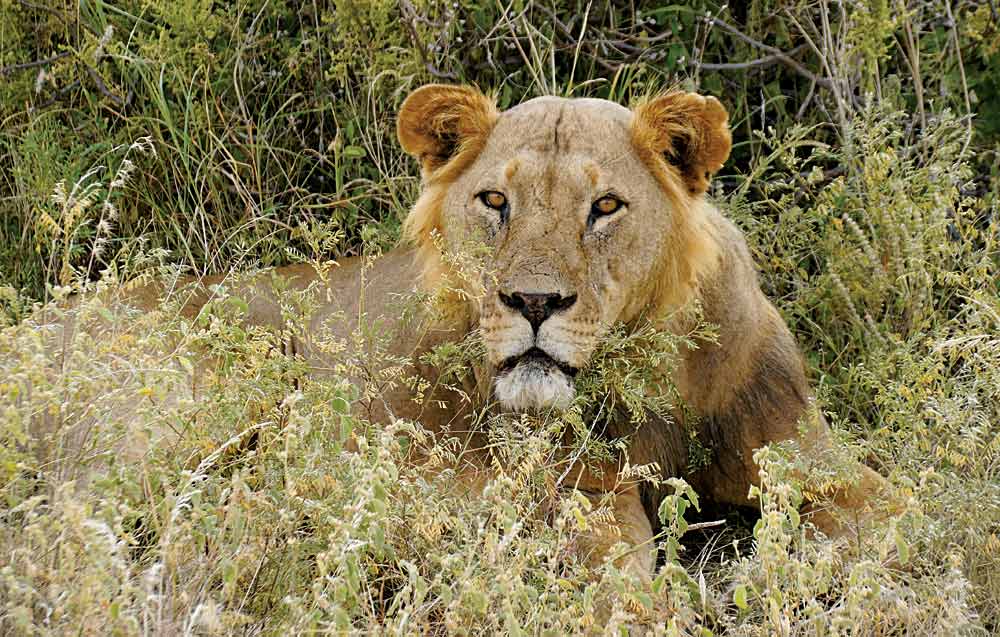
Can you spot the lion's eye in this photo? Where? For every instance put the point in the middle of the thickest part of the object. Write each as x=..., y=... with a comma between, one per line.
x=493, y=199
x=606, y=205
x=497, y=201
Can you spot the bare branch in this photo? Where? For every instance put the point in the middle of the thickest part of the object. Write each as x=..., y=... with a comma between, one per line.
x=39, y=7
x=103, y=88
x=777, y=53
x=30, y=65
x=767, y=60
x=410, y=17
x=697, y=526
x=55, y=98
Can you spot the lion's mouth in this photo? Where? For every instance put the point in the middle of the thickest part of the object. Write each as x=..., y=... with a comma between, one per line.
x=539, y=356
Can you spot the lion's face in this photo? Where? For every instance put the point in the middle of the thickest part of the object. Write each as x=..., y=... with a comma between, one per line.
x=586, y=221
x=576, y=224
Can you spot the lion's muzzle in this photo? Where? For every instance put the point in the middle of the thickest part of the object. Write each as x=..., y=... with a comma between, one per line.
x=535, y=379
x=539, y=356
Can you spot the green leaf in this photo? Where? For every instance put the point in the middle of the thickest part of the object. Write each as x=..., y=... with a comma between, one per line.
x=186, y=364
x=658, y=584
x=644, y=599
x=740, y=597
x=902, y=548
x=340, y=405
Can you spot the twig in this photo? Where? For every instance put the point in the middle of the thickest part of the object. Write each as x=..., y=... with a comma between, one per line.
x=912, y=59
x=30, y=65
x=697, y=526
x=767, y=60
x=409, y=17
x=778, y=54
x=827, y=176
x=824, y=56
x=103, y=88
x=39, y=7
x=61, y=92
x=961, y=71
x=805, y=103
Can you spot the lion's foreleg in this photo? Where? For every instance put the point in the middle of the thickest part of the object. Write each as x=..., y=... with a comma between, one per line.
x=854, y=498
x=626, y=537
x=861, y=498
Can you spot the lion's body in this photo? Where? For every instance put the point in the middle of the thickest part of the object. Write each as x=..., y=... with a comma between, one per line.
x=560, y=272
x=741, y=392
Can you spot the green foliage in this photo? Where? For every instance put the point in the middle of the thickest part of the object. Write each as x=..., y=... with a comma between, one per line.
x=148, y=137
x=629, y=373
x=257, y=514
x=274, y=119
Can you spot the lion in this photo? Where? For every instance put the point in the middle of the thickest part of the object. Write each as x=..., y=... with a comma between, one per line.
x=594, y=215
x=597, y=215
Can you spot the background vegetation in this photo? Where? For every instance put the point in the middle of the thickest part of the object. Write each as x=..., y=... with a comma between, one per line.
x=221, y=136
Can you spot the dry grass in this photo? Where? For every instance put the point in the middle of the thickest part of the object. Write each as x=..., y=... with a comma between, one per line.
x=261, y=137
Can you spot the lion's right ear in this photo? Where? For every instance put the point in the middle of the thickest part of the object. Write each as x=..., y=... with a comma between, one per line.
x=438, y=122
x=689, y=131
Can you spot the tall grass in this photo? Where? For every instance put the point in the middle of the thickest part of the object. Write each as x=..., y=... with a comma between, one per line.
x=249, y=497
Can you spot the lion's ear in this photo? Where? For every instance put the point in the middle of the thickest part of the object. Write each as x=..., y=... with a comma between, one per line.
x=690, y=131
x=437, y=122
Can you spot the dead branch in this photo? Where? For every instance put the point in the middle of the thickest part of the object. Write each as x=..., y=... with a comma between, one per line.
x=7, y=70
x=778, y=54
x=410, y=17
x=765, y=61
x=103, y=88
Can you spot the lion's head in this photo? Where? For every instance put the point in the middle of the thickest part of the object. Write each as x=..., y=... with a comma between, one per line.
x=594, y=214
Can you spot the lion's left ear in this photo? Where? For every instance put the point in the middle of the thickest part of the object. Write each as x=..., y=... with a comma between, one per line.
x=689, y=131
x=438, y=122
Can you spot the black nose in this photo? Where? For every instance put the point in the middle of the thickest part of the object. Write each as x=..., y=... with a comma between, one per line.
x=537, y=307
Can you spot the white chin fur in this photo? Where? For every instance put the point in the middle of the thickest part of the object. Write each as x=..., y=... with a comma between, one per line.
x=532, y=386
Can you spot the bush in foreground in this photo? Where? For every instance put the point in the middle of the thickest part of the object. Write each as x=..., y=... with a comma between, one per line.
x=277, y=508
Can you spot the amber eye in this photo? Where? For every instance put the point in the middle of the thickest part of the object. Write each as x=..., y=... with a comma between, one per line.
x=493, y=199
x=606, y=205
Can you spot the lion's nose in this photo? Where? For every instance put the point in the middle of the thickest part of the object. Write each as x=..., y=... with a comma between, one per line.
x=537, y=307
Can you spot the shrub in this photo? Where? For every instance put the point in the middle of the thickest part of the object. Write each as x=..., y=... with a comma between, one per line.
x=145, y=139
